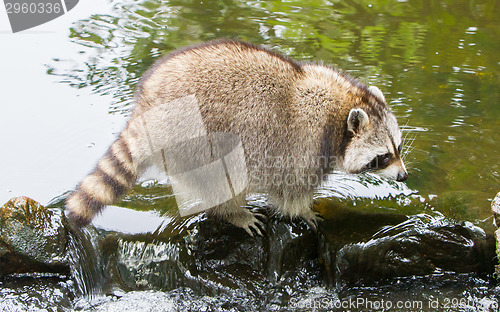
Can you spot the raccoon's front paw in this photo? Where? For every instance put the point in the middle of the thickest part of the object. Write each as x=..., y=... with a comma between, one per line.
x=311, y=218
x=251, y=220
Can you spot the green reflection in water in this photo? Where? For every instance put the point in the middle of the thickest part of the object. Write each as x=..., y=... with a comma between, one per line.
x=436, y=62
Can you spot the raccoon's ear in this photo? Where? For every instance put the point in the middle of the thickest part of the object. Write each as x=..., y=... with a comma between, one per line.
x=376, y=91
x=357, y=121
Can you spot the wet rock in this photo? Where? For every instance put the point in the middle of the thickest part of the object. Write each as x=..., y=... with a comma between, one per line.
x=211, y=257
x=146, y=264
x=495, y=209
x=420, y=246
x=35, y=292
x=32, y=238
x=224, y=267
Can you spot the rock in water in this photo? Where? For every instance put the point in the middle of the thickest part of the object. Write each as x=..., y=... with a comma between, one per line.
x=32, y=238
x=495, y=209
x=422, y=245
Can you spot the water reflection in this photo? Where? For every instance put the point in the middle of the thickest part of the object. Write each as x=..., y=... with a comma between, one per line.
x=435, y=61
x=129, y=221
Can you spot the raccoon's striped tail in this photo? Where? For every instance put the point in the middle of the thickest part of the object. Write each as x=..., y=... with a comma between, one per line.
x=113, y=176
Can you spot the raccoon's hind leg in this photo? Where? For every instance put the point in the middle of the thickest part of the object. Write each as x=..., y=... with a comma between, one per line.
x=235, y=212
x=297, y=207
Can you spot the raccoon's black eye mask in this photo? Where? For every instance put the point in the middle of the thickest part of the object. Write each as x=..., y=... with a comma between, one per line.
x=379, y=162
x=382, y=161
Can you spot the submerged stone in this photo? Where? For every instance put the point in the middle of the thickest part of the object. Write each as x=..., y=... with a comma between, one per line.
x=32, y=238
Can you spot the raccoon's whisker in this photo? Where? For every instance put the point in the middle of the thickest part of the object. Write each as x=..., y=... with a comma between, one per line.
x=405, y=130
x=408, y=147
x=419, y=150
x=408, y=164
x=407, y=151
x=411, y=140
x=404, y=158
x=413, y=169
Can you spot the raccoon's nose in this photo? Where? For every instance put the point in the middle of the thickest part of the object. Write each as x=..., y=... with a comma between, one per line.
x=402, y=176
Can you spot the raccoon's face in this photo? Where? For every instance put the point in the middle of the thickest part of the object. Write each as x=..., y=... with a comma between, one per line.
x=375, y=145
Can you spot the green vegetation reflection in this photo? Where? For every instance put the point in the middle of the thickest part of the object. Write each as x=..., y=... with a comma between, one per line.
x=436, y=62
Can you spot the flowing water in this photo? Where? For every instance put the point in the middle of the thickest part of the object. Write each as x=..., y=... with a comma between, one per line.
x=427, y=240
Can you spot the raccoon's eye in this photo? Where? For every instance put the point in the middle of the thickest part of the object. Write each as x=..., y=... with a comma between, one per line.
x=381, y=161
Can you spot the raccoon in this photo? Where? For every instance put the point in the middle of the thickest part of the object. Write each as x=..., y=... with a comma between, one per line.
x=297, y=122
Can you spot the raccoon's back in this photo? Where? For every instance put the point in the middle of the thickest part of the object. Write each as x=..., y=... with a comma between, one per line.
x=221, y=72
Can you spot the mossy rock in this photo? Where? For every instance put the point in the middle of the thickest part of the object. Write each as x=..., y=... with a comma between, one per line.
x=32, y=238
